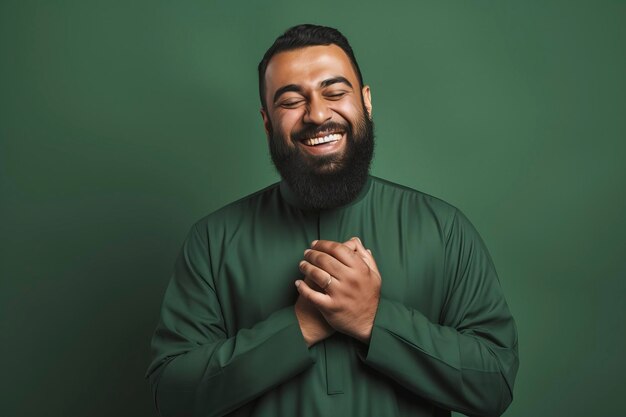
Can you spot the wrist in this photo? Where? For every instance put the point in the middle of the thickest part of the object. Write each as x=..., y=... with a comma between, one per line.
x=364, y=335
x=309, y=333
x=311, y=336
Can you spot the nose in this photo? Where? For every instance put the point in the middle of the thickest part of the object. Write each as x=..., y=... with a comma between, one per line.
x=317, y=111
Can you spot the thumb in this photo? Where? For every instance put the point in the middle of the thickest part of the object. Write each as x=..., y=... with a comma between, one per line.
x=365, y=254
x=354, y=243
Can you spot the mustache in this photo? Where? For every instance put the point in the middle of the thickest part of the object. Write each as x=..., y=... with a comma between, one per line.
x=314, y=130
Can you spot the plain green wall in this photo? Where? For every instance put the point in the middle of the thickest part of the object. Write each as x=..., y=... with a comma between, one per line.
x=121, y=123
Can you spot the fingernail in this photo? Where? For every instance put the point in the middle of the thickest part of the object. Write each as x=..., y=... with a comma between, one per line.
x=300, y=264
x=307, y=251
x=313, y=243
x=297, y=283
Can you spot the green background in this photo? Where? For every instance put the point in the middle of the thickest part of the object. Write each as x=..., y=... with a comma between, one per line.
x=121, y=123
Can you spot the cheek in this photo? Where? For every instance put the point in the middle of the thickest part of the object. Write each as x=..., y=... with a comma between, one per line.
x=351, y=105
x=289, y=122
x=349, y=111
x=284, y=124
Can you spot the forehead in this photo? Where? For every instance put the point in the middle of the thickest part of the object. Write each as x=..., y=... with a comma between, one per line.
x=308, y=66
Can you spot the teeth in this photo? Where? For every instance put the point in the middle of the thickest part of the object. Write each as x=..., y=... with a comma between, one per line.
x=325, y=139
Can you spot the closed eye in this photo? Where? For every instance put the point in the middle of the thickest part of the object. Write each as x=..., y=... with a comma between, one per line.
x=336, y=95
x=290, y=104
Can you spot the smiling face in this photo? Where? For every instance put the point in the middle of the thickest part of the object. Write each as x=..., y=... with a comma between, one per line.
x=313, y=99
x=318, y=122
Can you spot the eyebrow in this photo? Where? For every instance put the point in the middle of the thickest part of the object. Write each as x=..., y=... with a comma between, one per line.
x=297, y=89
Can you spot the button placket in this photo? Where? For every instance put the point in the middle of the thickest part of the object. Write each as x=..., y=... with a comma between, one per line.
x=334, y=346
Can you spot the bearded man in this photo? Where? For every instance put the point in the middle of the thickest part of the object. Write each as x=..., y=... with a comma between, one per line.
x=396, y=310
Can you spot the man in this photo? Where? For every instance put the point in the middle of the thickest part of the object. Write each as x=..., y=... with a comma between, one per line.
x=396, y=309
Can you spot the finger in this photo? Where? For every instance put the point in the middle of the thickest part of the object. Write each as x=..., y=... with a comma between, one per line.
x=351, y=244
x=318, y=299
x=326, y=262
x=356, y=245
x=365, y=254
x=359, y=248
x=371, y=260
x=319, y=278
x=311, y=284
x=339, y=251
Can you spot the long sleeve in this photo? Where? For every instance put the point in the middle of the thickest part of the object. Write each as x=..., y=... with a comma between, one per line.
x=468, y=361
x=196, y=368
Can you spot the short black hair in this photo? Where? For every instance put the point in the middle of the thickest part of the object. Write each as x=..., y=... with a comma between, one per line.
x=301, y=36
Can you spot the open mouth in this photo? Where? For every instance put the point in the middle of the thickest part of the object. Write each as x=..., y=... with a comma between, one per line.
x=322, y=139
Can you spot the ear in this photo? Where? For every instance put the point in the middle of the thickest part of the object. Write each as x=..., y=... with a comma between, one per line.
x=367, y=99
x=266, y=122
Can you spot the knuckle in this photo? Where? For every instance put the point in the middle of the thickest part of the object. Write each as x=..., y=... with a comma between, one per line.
x=333, y=246
x=321, y=261
x=315, y=275
x=321, y=279
x=314, y=257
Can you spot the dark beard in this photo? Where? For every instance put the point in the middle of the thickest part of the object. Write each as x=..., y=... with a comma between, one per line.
x=327, y=181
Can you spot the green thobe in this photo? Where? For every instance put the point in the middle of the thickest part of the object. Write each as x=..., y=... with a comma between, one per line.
x=228, y=341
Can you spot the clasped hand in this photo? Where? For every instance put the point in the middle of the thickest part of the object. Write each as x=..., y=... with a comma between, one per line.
x=340, y=290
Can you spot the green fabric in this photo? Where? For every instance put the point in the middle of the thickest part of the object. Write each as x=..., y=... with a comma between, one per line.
x=228, y=342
